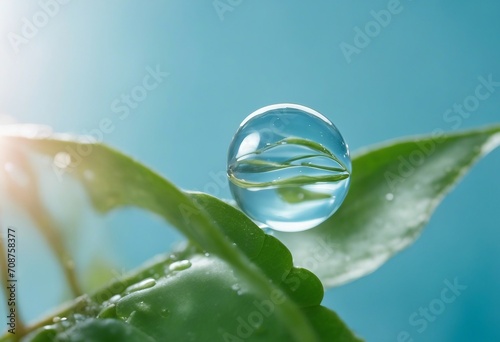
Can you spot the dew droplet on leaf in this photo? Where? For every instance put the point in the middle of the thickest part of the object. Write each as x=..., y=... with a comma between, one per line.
x=179, y=265
x=142, y=285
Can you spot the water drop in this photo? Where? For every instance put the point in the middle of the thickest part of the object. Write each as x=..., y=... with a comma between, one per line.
x=142, y=306
x=145, y=284
x=389, y=196
x=164, y=313
x=115, y=298
x=268, y=230
x=289, y=167
x=62, y=160
x=179, y=265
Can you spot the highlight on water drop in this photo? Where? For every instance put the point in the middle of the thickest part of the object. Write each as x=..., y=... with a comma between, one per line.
x=289, y=167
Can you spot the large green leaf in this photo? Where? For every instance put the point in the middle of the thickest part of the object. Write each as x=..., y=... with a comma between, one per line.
x=395, y=188
x=188, y=297
x=260, y=261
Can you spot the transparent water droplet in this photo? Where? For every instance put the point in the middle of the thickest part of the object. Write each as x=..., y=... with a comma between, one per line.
x=179, y=265
x=78, y=318
x=115, y=298
x=268, y=230
x=389, y=196
x=142, y=285
x=289, y=167
x=62, y=160
x=142, y=306
x=164, y=313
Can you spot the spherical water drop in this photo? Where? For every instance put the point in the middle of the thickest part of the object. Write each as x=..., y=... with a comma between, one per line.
x=389, y=196
x=289, y=167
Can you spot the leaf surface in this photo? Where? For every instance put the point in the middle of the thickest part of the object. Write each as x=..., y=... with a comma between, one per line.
x=260, y=262
x=394, y=190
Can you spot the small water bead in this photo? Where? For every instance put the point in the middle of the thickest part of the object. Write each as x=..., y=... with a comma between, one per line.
x=115, y=299
x=62, y=160
x=289, y=167
x=142, y=285
x=180, y=265
x=164, y=313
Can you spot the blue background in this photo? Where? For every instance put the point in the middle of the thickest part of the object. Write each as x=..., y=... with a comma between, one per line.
x=428, y=57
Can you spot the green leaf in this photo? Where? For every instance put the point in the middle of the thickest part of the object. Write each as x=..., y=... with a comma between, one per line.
x=395, y=188
x=204, y=302
x=199, y=300
x=114, y=180
x=101, y=330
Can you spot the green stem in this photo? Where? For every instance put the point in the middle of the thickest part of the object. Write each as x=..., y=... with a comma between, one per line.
x=27, y=196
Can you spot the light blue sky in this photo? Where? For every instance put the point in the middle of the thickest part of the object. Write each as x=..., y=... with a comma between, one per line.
x=69, y=72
